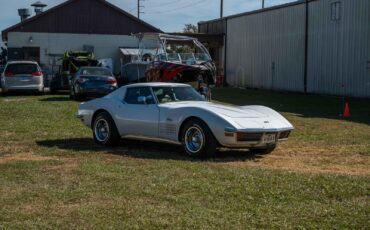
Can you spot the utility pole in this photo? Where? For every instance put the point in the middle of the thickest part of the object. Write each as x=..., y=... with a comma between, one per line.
x=222, y=9
x=263, y=4
x=139, y=6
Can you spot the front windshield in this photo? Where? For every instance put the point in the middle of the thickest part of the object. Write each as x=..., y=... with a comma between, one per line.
x=165, y=94
x=188, y=51
x=95, y=71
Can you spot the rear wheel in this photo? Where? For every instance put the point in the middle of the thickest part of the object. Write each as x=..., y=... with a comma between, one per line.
x=265, y=150
x=105, y=130
x=73, y=95
x=197, y=139
x=52, y=87
x=41, y=92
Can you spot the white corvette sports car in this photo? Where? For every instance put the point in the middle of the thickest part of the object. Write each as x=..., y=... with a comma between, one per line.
x=176, y=113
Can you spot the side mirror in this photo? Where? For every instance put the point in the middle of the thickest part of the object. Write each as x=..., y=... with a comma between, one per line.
x=141, y=100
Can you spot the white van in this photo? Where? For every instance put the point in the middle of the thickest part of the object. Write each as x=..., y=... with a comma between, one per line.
x=22, y=76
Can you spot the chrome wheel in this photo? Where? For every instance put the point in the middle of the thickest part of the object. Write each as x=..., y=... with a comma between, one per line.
x=194, y=139
x=101, y=130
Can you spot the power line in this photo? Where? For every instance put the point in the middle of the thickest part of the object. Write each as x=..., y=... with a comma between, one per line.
x=132, y=9
x=163, y=4
x=178, y=8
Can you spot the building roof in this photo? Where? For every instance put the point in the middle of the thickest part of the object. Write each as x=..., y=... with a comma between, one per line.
x=270, y=8
x=83, y=17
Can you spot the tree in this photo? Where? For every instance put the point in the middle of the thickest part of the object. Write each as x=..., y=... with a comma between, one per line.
x=190, y=28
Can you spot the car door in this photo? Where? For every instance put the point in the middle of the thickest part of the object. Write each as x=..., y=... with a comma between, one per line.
x=137, y=117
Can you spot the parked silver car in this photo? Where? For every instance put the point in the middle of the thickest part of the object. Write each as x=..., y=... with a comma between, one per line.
x=22, y=76
x=178, y=114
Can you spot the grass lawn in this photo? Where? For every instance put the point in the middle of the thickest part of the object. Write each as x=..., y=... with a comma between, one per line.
x=53, y=175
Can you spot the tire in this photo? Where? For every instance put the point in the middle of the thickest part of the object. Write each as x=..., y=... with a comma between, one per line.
x=266, y=150
x=52, y=88
x=3, y=92
x=42, y=92
x=204, y=144
x=73, y=95
x=104, y=120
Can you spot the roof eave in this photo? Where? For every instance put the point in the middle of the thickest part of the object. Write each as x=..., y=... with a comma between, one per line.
x=11, y=28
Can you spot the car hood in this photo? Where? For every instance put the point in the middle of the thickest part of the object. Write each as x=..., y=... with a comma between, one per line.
x=251, y=117
x=225, y=110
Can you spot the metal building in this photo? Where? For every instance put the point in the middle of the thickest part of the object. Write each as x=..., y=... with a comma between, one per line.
x=314, y=46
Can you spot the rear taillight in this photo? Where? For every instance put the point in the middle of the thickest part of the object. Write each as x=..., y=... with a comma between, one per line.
x=37, y=74
x=111, y=81
x=9, y=74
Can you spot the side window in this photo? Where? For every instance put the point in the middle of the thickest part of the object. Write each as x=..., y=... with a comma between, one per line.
x=132, y=95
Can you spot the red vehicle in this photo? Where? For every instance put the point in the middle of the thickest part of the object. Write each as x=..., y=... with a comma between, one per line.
x=170, y=58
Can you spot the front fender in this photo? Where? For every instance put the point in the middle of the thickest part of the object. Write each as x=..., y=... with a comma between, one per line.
x=215, y=122
x=88, y=109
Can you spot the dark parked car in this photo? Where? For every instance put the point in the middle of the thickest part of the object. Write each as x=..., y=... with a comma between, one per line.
x=92, y=82
x=71, y=63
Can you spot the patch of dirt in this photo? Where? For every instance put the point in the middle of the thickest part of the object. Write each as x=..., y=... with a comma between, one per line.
x=68, y=164
x=311, y=159
x=23, y=157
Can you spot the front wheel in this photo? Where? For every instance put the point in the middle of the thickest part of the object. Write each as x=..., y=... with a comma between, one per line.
x=197, y=139
x=105, y=130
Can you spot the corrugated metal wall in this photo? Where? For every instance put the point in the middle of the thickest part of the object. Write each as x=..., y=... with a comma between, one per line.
x=212, y=27
x=339, y=50
x=265, y=50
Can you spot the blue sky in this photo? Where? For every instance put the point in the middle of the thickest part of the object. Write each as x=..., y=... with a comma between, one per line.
x=168, y=15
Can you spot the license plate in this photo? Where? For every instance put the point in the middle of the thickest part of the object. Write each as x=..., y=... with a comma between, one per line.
x=25, y=79
x=269, y=138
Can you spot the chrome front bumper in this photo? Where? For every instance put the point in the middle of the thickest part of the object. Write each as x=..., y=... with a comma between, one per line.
x=231, y=139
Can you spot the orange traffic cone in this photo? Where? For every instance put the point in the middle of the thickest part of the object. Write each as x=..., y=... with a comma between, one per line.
x=346, y=110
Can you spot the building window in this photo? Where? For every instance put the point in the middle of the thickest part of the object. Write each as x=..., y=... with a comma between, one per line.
x=335, y=11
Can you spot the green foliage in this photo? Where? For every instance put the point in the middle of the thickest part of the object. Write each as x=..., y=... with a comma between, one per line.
x=190, y=28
